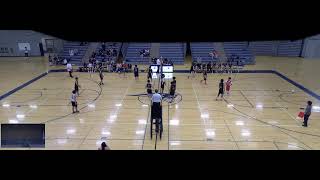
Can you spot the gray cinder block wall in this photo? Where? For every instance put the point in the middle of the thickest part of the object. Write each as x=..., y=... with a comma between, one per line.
x=9, y=40
x=311, y=48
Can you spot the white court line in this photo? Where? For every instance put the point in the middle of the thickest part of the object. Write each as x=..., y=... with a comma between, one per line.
x=116, y=113
x=205, y=123
x=41, y=102
x=286, y=111
x=182, y=124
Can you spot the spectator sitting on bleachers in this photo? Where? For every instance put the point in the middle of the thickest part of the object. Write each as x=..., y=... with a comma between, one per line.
x=76, y=52
x=232, y=57
x=108, y=53
x=56, y=60
x=209, y=67
x=215, y=54
x=118, y=67
x=93, y=54
x=199, y=60
x=145, y=52
x=165, y=61
x=158, y=61
x=103, y=46
x=109, y=66
x=71, y=52
x=64, y=61
x=114, y=52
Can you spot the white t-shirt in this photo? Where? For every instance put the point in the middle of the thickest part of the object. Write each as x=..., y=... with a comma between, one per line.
x=158, y=62
x=69, y=67
x=90, y=65
x=73, y=98
x=156, y=97
x=65, y=61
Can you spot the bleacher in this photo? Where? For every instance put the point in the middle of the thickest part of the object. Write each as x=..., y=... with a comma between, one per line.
x=276, y=48
x=263, y=48
x=239, y=49
x=202, y=49
x=115, y=45
x=175, y=52
x=132, y=53
x=76, y=59
x=289, y=48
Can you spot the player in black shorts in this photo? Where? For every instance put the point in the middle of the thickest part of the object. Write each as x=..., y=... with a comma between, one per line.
x=76, y=86
x=221, y=89
x=174, y=81
x=198, y=67
x=163, y=83
x=150, y=74
x=136, y=72
x=173, y=87
x=149, y=88
x=204, y=77
x=209, y=67
x=101, y=77
x=192, y=70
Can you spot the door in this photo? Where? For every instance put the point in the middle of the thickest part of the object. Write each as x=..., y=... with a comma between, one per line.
x=41, y=49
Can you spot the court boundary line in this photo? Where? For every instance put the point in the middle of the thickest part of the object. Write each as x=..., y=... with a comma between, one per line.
x=22, y=86
x=301, y=87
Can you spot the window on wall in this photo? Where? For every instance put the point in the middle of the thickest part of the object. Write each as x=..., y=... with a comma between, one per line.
x=4, y=50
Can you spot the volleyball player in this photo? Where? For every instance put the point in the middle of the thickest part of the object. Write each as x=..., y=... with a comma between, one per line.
x=221, y=89
x=192, y=70
x=163, y=83
x=173, y=87
x=149, y=88
x=69, y=69
x=150, y=74
x=136, y=72
x=204, y=77
x=76, y=86
x=101, y=77
x=228, y=85
x=74, y=102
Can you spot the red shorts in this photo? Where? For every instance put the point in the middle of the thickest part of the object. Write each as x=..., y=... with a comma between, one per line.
x=228, y=88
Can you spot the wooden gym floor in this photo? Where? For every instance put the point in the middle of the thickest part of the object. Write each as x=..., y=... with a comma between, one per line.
x=260, y=113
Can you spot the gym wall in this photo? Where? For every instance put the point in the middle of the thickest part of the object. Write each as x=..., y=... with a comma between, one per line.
x=10, y=39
